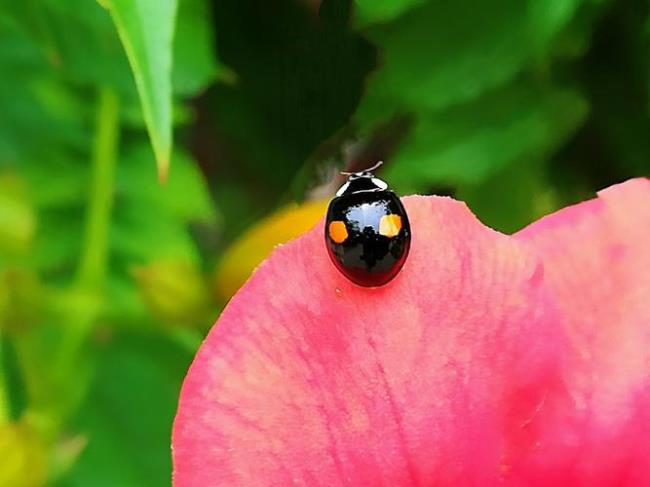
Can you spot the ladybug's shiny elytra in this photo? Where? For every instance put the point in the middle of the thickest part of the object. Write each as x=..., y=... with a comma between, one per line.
x=367, y=231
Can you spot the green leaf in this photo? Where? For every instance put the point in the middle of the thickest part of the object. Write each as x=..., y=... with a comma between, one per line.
x=513, y=196
x=18, y=51
x=445, y=53
x=547, y=18
x=138, y=237
x=149, y=221
x=468, y=143
x=375, y=11
x=67, y=189
x=58, y=240
x=146, y=28
x=87, y=47
x=185, y=195
x=128, y=414
x=162, y=230
x=195, y=64
x=32, y=99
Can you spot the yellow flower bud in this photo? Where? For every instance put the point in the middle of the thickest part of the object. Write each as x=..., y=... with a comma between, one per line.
x=174, y=291
x=17, y=217
x=22, y=456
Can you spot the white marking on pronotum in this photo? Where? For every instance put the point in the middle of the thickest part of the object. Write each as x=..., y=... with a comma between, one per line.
x=342, y=189
x=380, y=184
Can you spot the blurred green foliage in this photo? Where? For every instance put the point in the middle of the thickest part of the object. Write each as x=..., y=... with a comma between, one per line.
x=107, y=279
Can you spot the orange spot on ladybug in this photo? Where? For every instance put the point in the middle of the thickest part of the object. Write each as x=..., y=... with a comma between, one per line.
x=338, y=232
x=390, y=225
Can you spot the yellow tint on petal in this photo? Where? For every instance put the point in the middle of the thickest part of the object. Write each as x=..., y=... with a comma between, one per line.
x=390, y=225
x=242, y=257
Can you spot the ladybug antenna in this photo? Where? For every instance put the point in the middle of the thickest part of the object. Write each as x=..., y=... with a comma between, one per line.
x=370, y=169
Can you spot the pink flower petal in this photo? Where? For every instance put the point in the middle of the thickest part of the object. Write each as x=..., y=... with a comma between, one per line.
x=477, y=364
x=597, y=264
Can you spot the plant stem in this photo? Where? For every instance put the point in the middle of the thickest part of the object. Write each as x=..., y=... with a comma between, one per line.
x=92, y=265
x=91, y=273
x=84, y=299
x=87, y=291
x=4, y=395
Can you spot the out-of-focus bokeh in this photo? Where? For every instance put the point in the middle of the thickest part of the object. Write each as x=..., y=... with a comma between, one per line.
x=110, y=278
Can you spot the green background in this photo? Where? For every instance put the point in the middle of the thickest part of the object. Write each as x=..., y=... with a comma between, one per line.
x=518, y=107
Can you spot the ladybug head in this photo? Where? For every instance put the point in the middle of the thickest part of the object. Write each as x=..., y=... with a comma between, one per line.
x=362, y=181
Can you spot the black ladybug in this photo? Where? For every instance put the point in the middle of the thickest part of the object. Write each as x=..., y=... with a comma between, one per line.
x=367, y=231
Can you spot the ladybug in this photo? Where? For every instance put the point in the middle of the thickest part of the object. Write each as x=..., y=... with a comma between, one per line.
x=367, y=230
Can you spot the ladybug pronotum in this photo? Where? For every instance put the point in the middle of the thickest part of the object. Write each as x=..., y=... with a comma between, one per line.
x=367, y=230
